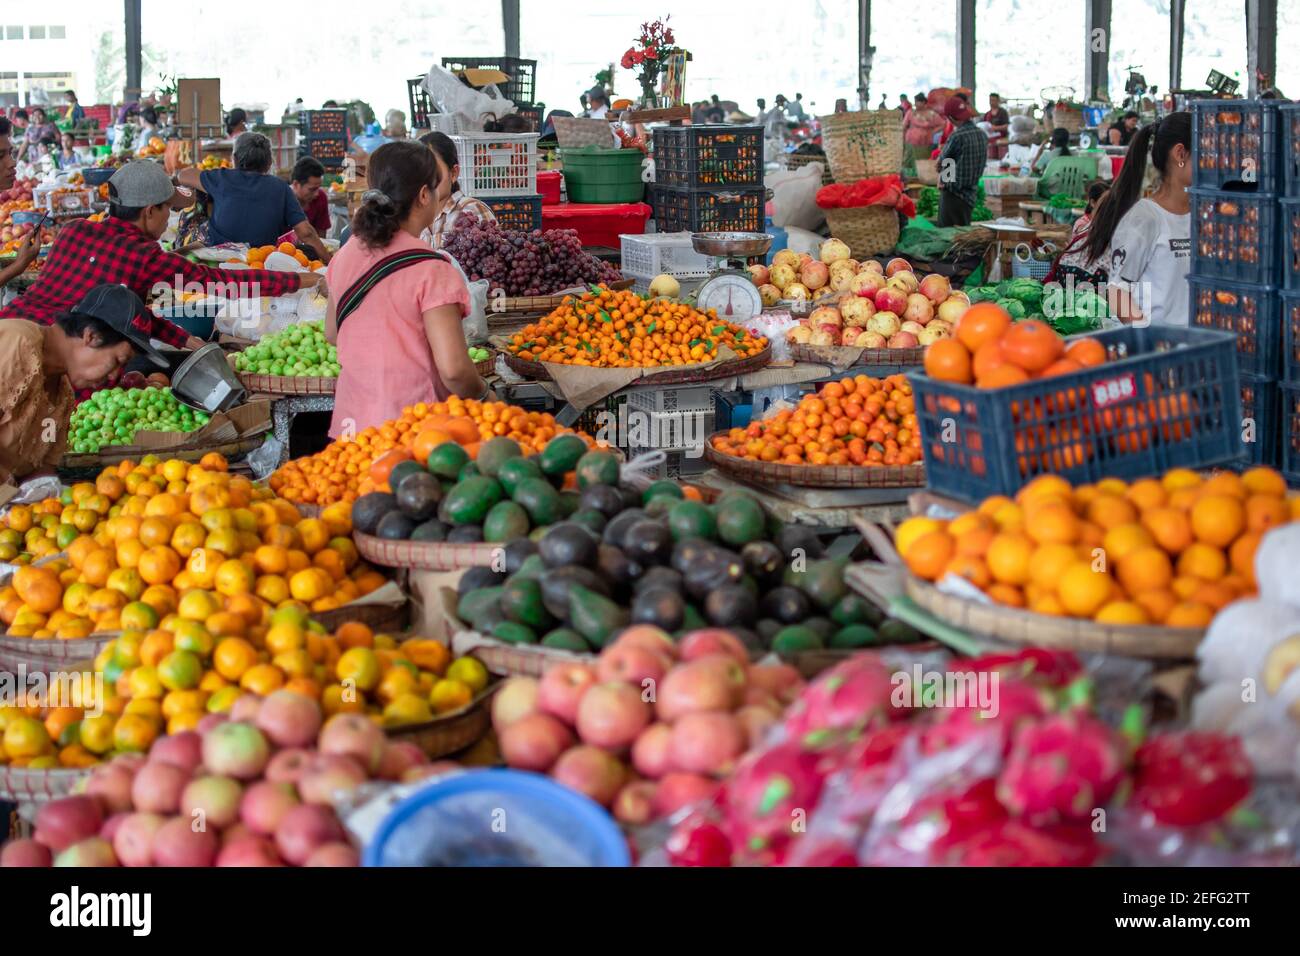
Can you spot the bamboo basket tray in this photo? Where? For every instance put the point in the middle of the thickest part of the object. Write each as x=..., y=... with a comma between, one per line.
x=21, y=785
x=1026, y=627
x=451, y=732
x=825, y=354
x=814, y=476
x=92, y=463
x=378, y=617
x=488, y=365
x=425, y=555
x=537, y=372
x=45, y=655
x=514, y=660
x=545, y=303
x=288, y=384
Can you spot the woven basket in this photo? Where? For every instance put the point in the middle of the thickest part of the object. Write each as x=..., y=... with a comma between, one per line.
x=486, y=366
x=537, y=372
x=46, y=655
x=869, y=230
x=92, y=464
x=288, y=384
x=519, y=660
x=927, y=171
x=425, y=555
x=882, y=357
x=800, y=160
x=1026, y=627
x=814, y=476
x=863, y=144
x=1067, y=118
x=451, y=732
x=545, y=303
x=20, y=785
x=387, y=618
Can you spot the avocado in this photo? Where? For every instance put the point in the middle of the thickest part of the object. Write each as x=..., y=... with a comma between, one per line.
x=468, y=470
x=753, y=643
x=658, y=576
x=394, y=526
x=494, y=452
x=822, y=580
x=557, y=582
x=855, y=609
x=506, y=521
x=664, y=486
x=687, y=551
x=796, y=638
x=471, y=499
x=631, y=496
x=740, y=521
x=591, y=520
x=566, y=639
x=729, y=606
x=418, y=495
x=521, y=602
x=764, y=561
x=431, y=530
x=516, y=552
x=537, y=533
x=570, y=502
x=767, y=629
x=619, y=524
x=714, y=568
x=567, y=544
x=400, y=472
x=472, y=603
x=466, y=534
x=786, y=604
x=513, y=633
x=515, y=470
x=853, y=635
x=480, y=576
x=648, y=542
x=594, y=616
x=660, y=607
x=596, y=469
x=368, y=509
x=797, y=541
x=896, y=632
x=614, y=565
x=751, y=587
x=602, y=498
x=487, y=617
x=447, y=460
x=690, y=519
x=562, y=454
x=530, y=567
x=540, y=500
x=823, y=627
x=692, y=619
x=659, y=507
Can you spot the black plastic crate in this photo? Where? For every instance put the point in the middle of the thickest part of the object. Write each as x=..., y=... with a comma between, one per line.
x=680, y=208
x=1235, y=235
x=421, y=104
x=533, y=114
x=1260, y=431
x=330, y=150
x=1288, y=309
x=1168, y=397
x=1288, y=210
x=313, y=123
x=709, y=156
x=1235, y=143
x=1288, y=121
x=522, y=73
x=523, y=213
x=1251, y=312
x=1289, y=431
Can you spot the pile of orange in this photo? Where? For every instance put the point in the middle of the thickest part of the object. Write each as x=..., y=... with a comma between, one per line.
x=181, y=529
x=257, y=256
x=42, y=730
x=1169, y=551
x=855, y=421
x=349, y=468
x=989, y=350
x=28, y=532
x=608, y=329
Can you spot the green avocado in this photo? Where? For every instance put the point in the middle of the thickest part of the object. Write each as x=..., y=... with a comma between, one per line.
x=594, y=616
x=515, y=470
x=822, y=580
x=447, y=460
x=691, y=519
x=853, y=635
x=662, y=487
x=521, y=602
x=741, y=520
x=855, y=609
x=513, y=633
x=540, y=499
x=795, y=638
x=505, y=521
x=896, y=632
x=597, y=468
x=471, y=499
x=495, y=452
x=566, y=639
x=561, y=454
x=472, y=604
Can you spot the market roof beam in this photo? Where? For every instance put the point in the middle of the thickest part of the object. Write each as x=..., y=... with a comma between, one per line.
x=1261, y=44
x=966, y=45
x=1096, y=56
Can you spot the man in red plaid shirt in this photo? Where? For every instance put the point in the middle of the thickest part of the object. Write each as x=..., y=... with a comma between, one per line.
x=124, y=249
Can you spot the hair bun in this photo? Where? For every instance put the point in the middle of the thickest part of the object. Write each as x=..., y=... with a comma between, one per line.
x=378, y=199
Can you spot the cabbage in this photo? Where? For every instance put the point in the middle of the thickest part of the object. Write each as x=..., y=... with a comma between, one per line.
x=982, y=293
x=1015, y=307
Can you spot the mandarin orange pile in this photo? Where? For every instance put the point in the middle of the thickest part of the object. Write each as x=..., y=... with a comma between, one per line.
x=855, y=421
x=347, y=469
x=186, y=532
x=1169, y=551
x=990, y=351
x=608, y=329
x=42, y=730
x=257, y=256
x=33, y=531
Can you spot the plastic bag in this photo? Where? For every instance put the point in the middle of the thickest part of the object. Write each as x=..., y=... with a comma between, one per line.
x=794, y=197
x=475, y=324
x=774, y=326
x=452, y=96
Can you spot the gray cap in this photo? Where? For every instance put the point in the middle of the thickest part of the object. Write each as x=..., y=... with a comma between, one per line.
x=120, y=309
x=145, y=183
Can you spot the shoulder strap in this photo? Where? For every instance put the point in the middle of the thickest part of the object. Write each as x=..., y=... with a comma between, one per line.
x=356, y=293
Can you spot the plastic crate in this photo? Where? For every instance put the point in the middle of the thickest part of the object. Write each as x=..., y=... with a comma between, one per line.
x=1030, y=268
x=595, y=174
x=549, y=183
x=421, y=104
x=533, y=114
x=1235, y=142
x=678, y=209
x=63, y=201
x=1169, y=397
x=1289, y=432
x=497, y=164
x=522, y=73
x=710, y=155
x=1288, y=211
x=331, y=151
x=521, y=213
x=331, y=122
x=1234, y=235
x=1288, y=120
x=685, y=398
x=1289, y=318
x=678, y=463
x=1251, y=312
x=662, y=253
x=1260, y=431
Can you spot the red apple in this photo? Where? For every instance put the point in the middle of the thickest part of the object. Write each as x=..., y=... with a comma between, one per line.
x=562, y=687
x=249, y=850
x=515, y=698
x=92, y=851
x=208, y=721
x=695, y=686
x=354, y=735
x=111, y=784
x=611, y=715
x=288, y=766
x=25, y=852
x=399, y=756
x=184, y=750
x=130, y=761
x=650, y=753
x=707, y=743
x=237, y=750
x=647, y=637
x=534, y=742
x=712, y=640
x=330, y=776
x=212, y=801
x=63, y=822
x=629, y=664
x=133, y=841
x=303, y=829
x=634, y=804
x=677, y=790
x=109, y=830
x=158, y=786
x=289, y=719
x=591, y=771
x=264, y=805
x=177, y=844
x=782, y=680
x=245, y=708
x=936, y=288
x=333, y=854
x=756, y=721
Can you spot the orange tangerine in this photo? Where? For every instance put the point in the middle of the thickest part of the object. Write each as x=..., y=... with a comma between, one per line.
x=1009, y=558
x=1263, y=481
x=1053, y=523
x=1145, y=569
x=1157, y=604
x=262, y=679
x=1110, y=511
x=1265, y=511
x=1189, y=614
x=1202, y=561
x=1048, y=563
x=1006, y=594
x=1123, y=540
x=1083, y=591
x=1226, y=483
x=1241, y=556
x=912, y=529
x=1217, y=519
x=1170, y=527
x=972, y=569
x=1177, y=479
x=1147, y=493
x=1122, y=612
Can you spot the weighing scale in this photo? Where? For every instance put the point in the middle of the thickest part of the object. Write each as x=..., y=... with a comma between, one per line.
x=730, y=290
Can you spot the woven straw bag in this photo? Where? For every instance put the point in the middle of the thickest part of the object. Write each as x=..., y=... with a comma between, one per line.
x=864, y=144
x=867, y=229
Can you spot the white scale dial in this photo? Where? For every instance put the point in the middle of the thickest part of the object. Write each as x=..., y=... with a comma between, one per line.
x=734, y=297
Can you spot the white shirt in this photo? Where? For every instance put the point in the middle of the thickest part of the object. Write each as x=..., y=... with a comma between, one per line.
x=597, y=112
x=1150, y=256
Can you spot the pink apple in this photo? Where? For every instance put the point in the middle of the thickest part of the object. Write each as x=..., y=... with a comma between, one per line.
x=264, y=805
x=903, y=340
x=612, y=714
x=782, y=680
x=834, y=250
x=399, y=756
x=111, y=784
x=897, y=265
x=649, y=637
x=708, y=683
x=92, y=851
x=885, y=323
x=591, y=771
x=157, y=788
x=515, y=698
x=677, y=790
x=936, y=288
x=905, y=281
x=236, y=750
x=133, y=841
x=712, y=640
x=249, y=850
x=354, y=735
x=919, y=309
x=707, y=743
x=872, y=265
x=288, y=766
x=109, y=830
x=866, y=284
x=209, y=721
x=333, y=854
x=303, y=829
x=63, y=822
x=184, y=750
x=289, y=719
x=330, y=777
x=562, y=687
x=213, y=800
x=857, y=312
x=25, y=852
x=177, y=843
x=650, y=753
x=635, y=803
x=756, y=721
x=825, y=315
x=534, y=742
x=245, y=708
x=130, y=762
x=629, y=664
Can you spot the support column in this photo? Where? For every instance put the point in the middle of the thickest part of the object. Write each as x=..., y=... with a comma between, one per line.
x=1096, y=55
x=1261, y=44
x=966, y=46
x=866, y=54
x=1177, y=17
x=510, y=24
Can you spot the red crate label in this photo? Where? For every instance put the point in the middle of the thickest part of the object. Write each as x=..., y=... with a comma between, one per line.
x=1114, y=391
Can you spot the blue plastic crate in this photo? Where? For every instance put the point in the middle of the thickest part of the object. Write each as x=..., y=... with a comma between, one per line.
x=1235, y=142
x=1251, y=312
x=1169, y=397
x=1289, y=431
x=1288, y=122
x=1235, y=235
x=1288, y=211
x=709, y=156
x=522, y=213
x=1289, y=320
x=1260, y=433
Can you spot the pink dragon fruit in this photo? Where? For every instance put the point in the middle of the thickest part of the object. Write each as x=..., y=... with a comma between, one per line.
x=830, y=853
x=698, y=841
x=936, y=823
x=1038, y=664
x=768, y=791
x=843, y=702
x=1012, y=843
x=1185, y=779
x=1060, y=768
x=1016, y=702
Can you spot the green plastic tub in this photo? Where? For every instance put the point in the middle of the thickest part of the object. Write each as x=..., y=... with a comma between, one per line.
x=593, y=174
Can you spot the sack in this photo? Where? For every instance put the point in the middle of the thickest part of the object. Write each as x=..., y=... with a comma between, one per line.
x=794, y=197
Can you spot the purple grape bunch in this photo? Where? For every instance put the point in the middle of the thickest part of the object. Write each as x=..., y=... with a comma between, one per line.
x=524, y=263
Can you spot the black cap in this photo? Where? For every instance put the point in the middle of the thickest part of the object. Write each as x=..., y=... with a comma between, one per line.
x=118, y=308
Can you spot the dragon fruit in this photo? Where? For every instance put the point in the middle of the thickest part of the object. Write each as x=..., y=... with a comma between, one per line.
x=1189, y=778
x=768, y=791
x=1039, y=664
x=1012, y=843
x=1017, y=702
x=1060, y=768
x=843, y=702
x=697, y=841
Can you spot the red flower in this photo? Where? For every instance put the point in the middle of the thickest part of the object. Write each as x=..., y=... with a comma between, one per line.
x=627, y=60
x=650, y=54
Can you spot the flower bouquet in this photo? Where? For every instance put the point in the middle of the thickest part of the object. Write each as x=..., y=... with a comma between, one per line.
x=647, y=57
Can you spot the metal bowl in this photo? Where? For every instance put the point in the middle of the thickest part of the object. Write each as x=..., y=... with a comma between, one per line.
x=731, y=244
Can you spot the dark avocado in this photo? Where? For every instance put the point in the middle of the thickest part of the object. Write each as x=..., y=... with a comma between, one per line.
x=752, y=641
x=687, y=551
x=593, y=521
x=614, y=565
x=570, y=502
x=853, y=635
x=787, y=605
x=648, y=542
x=896, y=632
x=730, y=606
x=567, y=544
x=659, y=507
x=521, y=602
x=494, y=452
x=658, y=577
x=475, y=600
x=823, y=626
x=855, y=609
x=400, y=472
x=690, y=519
x=764, y=561
x=394, y=526
x=516, y=551
x=431, y=530
x=799, y=541
x=368, y=509
x=566, y=639
x=618, y=525
x=631, y=497
x=466, y=534
x=713, y=569
x=478, y=577
x=767, y=629
x=660, y=607
x=692, y=620
x=418, y=496
x=557, y=582
x=822, y=580
x=602, y=498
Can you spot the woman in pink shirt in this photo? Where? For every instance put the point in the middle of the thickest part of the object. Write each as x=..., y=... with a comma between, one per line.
x=397, y=316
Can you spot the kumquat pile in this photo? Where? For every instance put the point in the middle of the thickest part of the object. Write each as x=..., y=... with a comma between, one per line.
x=855, y=421
x=607, y=329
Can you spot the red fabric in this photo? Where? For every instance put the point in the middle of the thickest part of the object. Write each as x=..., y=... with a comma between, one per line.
x=318, y=213
x=597, y=224
x=877, y=191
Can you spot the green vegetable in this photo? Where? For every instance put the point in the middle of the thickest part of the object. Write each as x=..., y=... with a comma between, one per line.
x=1015, y=307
